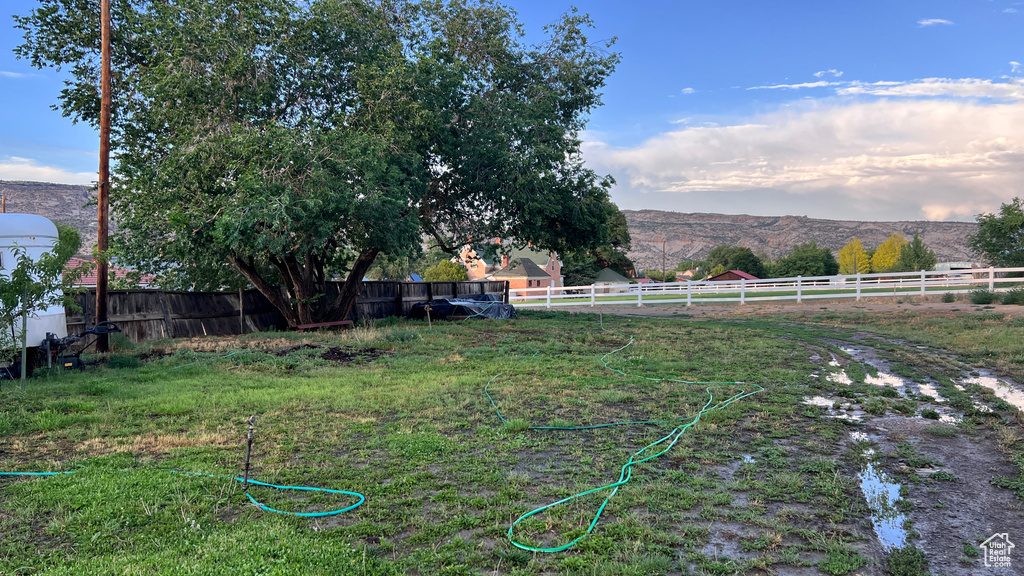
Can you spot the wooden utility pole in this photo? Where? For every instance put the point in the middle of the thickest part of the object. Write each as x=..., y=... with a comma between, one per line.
x=103, y=195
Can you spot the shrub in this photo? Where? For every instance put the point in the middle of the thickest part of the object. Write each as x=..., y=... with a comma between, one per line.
x=908, y=561
x=1015, y=296
x=982, y=296
x=949, y=297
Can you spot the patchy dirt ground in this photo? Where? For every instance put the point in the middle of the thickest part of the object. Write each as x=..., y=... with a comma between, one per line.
x=949, y=512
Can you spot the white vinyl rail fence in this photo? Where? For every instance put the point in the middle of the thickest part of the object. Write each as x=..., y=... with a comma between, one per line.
x=773, y=289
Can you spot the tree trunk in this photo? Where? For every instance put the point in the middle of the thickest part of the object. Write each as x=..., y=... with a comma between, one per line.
x=270, y=292
x=346, y=300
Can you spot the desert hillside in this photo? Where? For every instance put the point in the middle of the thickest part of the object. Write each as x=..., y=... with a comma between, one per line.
x=687, y=236
x=692, y=236
x=62, y=203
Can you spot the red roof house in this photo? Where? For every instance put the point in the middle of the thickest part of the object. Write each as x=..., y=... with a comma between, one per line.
x=733, y=275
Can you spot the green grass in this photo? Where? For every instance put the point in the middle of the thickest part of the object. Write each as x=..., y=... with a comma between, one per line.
x=443, y=476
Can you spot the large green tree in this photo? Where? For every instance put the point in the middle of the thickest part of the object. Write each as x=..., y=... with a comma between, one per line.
x=725, y=257
x=1000, y=236
x=806, y=259
x=286, y=143
x=915, y=256
x=581, y=266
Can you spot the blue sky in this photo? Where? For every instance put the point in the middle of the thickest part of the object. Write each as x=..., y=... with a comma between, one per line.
x=875, y=110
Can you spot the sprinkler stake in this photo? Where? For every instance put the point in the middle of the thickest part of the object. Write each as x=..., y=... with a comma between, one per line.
x=248, y=453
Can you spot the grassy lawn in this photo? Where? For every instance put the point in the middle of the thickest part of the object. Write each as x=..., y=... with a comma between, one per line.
x=397, y=412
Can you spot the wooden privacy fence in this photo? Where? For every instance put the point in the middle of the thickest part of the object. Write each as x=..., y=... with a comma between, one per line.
x=798, y=288
x=154, y=314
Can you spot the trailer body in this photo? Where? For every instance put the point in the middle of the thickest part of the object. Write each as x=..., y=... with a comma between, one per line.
x=35, y=235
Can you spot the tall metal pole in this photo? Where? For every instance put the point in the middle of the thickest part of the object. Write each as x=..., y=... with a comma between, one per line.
x=103, y=196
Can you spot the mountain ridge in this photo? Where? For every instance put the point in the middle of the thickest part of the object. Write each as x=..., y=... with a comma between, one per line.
x=687, y=235
x=691, y=236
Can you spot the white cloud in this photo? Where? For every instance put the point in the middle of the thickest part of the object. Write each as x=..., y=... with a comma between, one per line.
x=1013, y=89
x=687, y=90
x=1010, y=11
x=830, y=72
x=1015, y=66
x=15, y=168
x=794, y=86
x=886, y=160
x=9, y=74
x=933, y=22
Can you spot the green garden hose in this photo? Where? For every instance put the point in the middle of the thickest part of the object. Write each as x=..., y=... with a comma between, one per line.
x=255, y=502
x=665, y=443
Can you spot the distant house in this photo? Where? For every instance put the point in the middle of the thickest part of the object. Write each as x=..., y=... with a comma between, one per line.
x=608, y=277
x=686, y=275
x=479, y=269
x=523, y=273
x=732, y=275
x=88, y=280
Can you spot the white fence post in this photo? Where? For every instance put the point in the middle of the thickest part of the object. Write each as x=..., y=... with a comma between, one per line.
x=689, y=293
x=858, y=286
x=922, y=282
x=991, y=278
x=799, y=289
x=593, y=296
x=549, y=296
x=640, y=296
x=743, y=290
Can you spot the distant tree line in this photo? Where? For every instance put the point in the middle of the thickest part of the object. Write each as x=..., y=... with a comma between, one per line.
x=896, y=254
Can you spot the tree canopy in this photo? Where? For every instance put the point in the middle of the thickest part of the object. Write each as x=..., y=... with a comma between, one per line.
x=806, y=260
x=853, y=259
x=445, y=270
x=285, y=143
x=723, y=258
x=916, y=256
x=888, y=253
x=1000, y=236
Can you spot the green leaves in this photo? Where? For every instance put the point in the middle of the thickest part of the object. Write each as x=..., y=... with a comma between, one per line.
x=269, y=142
x=1000, y=237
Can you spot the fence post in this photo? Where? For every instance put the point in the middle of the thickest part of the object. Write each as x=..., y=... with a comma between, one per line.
x=922, y=282
x=858, y=286
x=743, y=290
x=640, y=296
x=991, y=278
x=593, y=295
x=689, y=293
x=549, y=296
x=799, y=289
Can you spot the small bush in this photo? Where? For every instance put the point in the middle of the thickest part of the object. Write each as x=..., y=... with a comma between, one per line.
x=120, y=342
x=1014, y=297
x=876, y=406
x=929, y=414
x=949, y=297
x=982, y=296
x=908, y=561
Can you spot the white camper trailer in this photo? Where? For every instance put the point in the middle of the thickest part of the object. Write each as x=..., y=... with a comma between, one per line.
x=35, y=235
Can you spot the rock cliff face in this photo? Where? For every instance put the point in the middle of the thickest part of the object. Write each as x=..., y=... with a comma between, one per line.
x=61, y=203
x=692, y=236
